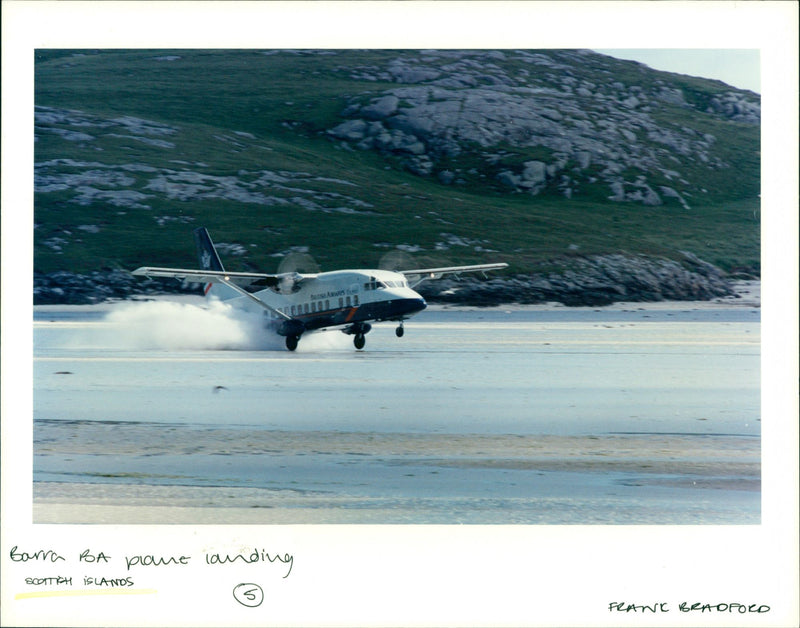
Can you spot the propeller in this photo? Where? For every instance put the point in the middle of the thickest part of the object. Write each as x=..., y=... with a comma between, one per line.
x=297, y=261
x=396, y=260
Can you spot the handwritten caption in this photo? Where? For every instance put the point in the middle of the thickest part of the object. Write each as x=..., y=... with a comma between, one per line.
x=128, y=567
x=688, y=607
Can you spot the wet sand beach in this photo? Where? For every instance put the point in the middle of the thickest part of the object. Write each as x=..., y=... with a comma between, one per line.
x=630, y=414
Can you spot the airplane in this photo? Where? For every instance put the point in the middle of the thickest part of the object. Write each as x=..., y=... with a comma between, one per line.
x=299, y=303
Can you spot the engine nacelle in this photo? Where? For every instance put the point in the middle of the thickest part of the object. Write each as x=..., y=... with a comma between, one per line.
x=357, y=328
x=292, y=327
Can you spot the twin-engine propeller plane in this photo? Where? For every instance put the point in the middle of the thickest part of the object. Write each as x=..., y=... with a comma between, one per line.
x=299, y=303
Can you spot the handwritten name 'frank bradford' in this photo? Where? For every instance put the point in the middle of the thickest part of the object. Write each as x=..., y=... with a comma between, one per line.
x=685, y=607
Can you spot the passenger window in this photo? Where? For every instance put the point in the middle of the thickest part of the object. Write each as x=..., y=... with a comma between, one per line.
x=355, y=300
x=341, y=302
x=305, y=307
x=327, y=304
x=348, y=301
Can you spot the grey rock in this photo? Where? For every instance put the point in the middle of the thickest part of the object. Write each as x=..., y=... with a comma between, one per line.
x=406, y=73
x=350, y=130
x=671, y=95
x=584, y=159
x=668, y=192
x=381, y=108
x=446, y=176
x=508, y=178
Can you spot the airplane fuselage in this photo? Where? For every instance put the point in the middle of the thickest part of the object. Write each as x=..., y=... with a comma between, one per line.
x=339, y=298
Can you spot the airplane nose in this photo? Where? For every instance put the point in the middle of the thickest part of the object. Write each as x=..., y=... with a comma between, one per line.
x=411, y=306
x=417, y=302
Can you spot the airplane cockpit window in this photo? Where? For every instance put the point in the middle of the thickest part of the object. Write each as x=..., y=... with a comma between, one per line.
x=375, y=284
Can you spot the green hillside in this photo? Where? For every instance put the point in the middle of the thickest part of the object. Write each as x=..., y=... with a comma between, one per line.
x=240, y=142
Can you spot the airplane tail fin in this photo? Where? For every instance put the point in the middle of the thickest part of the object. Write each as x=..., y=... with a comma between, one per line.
x=206, y=253
x=209, y=260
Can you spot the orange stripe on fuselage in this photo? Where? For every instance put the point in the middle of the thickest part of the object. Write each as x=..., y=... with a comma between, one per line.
x=351, y=314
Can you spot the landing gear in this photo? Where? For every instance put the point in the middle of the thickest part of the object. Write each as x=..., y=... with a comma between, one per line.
x=358, y=331
x=359, y=341
x=292, y=329
x=400, y=331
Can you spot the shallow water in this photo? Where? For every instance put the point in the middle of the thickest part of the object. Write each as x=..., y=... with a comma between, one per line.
x=484, y=416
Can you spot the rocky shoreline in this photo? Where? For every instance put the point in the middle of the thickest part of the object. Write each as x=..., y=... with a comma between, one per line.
x=580, y=281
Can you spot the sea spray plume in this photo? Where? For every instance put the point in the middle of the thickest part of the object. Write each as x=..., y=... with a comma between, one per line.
x=324, y=341
x=215, y=325
x=170, y=325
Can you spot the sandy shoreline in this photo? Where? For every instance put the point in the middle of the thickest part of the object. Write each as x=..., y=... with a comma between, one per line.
x=653, y=462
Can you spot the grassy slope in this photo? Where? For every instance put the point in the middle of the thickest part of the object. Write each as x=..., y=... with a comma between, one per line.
x=208, y=94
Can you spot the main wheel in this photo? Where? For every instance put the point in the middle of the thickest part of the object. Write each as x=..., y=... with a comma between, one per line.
x=399, y=331
x=359, y=341
x=291, y=342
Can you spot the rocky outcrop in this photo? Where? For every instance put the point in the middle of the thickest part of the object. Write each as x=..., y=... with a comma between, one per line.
x=595, y=280
x=88, y=182
x=485, y=103
x=66, y=288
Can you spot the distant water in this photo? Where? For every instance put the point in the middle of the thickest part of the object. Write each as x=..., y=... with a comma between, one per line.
x=485, y=416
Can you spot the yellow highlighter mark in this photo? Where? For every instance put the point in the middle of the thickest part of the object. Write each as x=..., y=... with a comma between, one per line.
x=36, y=594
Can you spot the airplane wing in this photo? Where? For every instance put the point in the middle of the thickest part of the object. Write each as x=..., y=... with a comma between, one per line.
x=233, y=280
x=261, y=280
x=417, y=276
